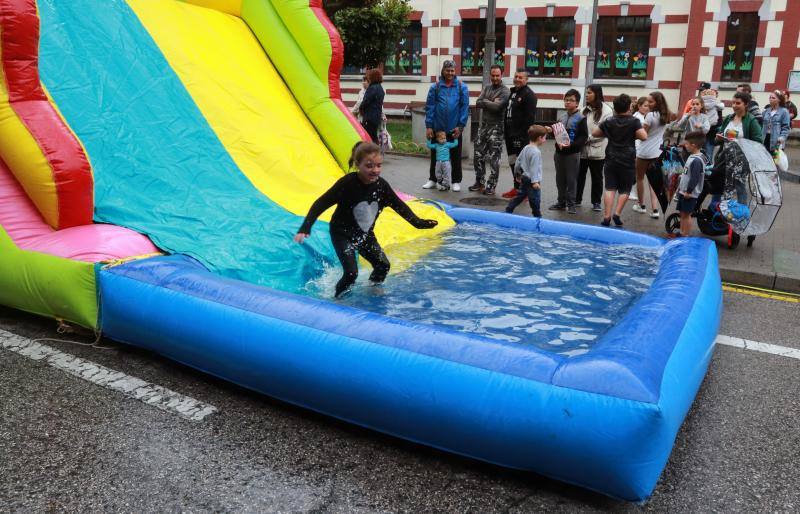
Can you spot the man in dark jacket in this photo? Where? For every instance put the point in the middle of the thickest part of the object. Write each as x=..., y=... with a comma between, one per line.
x=520, y=115
x=447, y=110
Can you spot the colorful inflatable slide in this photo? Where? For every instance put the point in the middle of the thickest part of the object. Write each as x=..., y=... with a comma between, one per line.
x=156, y=157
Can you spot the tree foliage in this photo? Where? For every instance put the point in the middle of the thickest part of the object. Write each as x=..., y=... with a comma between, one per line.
x=371, y=32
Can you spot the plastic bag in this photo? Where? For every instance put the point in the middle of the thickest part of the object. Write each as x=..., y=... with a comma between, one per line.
x=781, y=161
x=385, y=140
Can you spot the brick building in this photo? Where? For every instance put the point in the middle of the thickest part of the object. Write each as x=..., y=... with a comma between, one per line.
x=641, y=45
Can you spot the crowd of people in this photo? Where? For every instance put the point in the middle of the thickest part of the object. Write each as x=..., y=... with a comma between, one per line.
x=612, y=148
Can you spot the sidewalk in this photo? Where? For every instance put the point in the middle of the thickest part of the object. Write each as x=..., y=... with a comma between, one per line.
x=772, y=262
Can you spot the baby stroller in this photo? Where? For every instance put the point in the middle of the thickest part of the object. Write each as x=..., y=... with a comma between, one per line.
x=745, y=175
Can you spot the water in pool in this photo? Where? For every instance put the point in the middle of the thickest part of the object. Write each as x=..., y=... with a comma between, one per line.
x=557, y=293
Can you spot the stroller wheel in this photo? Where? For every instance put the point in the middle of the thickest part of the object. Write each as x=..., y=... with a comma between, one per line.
x=750, y=240
x=733, y=238
x=673, y=223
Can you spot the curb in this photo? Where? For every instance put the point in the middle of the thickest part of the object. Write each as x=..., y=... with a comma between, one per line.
x=790, y=176
x=768, y=281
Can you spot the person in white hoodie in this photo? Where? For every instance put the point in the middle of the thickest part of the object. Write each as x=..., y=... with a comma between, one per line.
x=593, y=154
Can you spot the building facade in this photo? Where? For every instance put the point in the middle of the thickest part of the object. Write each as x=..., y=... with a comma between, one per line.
x=640, y=46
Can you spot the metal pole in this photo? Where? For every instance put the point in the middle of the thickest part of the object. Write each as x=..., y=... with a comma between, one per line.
x=590, y=59
x=488, y=52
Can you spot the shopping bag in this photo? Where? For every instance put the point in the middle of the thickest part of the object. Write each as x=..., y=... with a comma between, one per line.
x=781, y=161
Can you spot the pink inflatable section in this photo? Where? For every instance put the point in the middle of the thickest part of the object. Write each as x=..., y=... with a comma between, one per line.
x=89, y=243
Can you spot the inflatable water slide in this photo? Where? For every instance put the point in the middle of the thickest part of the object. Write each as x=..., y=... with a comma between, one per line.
x=156, y=158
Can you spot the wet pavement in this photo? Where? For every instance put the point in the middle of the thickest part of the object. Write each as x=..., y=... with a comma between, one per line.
x=773, y=261
x=69, y=445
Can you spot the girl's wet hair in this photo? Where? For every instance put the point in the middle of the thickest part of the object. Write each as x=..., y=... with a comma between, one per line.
x=361, y=150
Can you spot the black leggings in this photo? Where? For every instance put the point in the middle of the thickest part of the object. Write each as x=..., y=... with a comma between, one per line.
x=348, y=251
x=595, y=167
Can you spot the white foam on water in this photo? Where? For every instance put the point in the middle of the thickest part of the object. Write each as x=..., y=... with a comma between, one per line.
x=576, y=336
x=566, y=274
x=532, y=280
x=602, y=321
x=506, y=321
x=538, y=259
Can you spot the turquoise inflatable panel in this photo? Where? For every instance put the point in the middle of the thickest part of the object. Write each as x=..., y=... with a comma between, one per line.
x=155, y=158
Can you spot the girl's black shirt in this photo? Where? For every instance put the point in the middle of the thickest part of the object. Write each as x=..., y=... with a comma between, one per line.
x=358, y=205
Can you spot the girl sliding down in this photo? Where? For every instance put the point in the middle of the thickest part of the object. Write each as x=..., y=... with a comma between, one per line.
x=359, y=198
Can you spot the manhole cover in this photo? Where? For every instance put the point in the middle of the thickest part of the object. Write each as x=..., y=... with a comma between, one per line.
x=485, y=201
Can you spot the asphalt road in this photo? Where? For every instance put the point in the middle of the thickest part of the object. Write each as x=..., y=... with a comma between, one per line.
x=69, y=445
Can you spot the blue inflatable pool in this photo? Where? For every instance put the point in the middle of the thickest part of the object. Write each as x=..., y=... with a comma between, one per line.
x=605, y=420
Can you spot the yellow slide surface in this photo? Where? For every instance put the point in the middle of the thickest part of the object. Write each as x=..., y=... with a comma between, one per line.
x=252, y=112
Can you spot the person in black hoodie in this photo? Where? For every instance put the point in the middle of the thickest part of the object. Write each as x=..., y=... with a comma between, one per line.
x=520, y=115
x=568, y=156
x=372, y=105
x=359, y=199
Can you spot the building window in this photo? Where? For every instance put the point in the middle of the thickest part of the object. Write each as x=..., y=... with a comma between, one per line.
x=550, y=47
x=623, y=43
x=473, y=36
x=353, y=70
x=407, y=56
x=740, y=47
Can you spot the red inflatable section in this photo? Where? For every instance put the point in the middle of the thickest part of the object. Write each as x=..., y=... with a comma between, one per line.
x=72, y=173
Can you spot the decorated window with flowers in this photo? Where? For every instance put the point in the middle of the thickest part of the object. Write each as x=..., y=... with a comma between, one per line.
x=550, y=47
x=473, y=37
x=623, y=43
x=407, y=56
x=740, y=47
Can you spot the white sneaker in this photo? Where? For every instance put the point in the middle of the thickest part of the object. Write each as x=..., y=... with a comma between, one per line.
x=456, y=186
x=655, y=215
x=429, y=185
x=638, y=208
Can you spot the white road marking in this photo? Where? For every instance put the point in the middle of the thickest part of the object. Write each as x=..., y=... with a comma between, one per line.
x=746, y=344
x=132, y=387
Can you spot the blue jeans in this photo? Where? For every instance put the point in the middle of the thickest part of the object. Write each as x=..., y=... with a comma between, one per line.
x=534, y=197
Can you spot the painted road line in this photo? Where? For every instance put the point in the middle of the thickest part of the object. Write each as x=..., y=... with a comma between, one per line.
x=132, y=387
x=762, y=293
x=746, y=344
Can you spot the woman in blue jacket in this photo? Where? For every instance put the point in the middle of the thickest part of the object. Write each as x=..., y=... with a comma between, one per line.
x=372, y=105
x=447, y=110
x=776, y=122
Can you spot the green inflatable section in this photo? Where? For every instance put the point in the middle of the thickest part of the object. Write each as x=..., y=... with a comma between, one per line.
x=300, y=49
x=46, y=285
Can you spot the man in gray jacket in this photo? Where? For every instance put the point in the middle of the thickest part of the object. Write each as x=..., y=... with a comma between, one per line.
x=489, y=143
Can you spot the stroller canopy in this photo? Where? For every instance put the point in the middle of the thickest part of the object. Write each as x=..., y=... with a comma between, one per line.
x=752, y=196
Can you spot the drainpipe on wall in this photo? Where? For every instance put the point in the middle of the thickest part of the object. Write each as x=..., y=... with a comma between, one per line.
x=589, y=73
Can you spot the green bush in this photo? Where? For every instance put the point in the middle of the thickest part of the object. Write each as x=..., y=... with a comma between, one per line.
x=370, y=33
